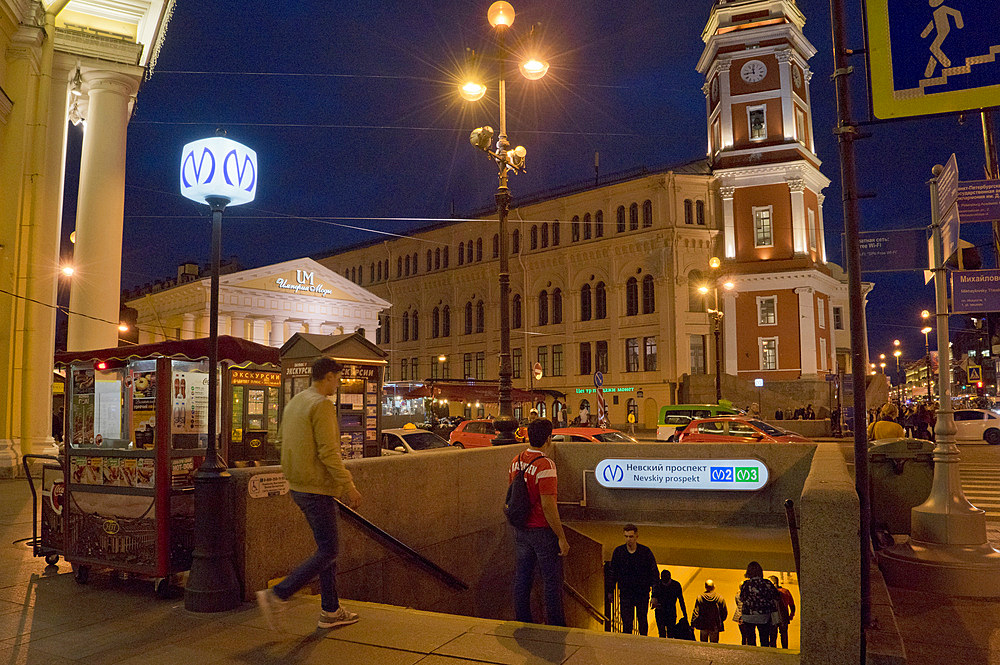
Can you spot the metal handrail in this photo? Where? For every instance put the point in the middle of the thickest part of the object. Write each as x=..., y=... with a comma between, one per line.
x=34, y=496
x=578, y=597
x=793, y=532
x=399, y=545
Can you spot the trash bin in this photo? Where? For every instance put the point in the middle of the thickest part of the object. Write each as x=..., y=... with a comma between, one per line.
x=900, y=472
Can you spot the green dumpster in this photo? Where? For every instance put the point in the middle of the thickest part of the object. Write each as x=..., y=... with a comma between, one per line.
x=901, y=472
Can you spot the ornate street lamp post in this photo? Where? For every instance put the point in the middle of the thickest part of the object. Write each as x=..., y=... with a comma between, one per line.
x=501, y=17
x=219, y=172
x=716, y=315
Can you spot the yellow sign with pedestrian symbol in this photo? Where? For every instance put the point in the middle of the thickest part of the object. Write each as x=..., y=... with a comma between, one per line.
x=975, y=373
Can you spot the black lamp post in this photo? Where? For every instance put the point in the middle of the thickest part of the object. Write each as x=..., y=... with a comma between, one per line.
x=219, y=172
x=501, y=17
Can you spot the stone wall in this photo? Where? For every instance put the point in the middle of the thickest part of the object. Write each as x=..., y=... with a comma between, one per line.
x=700, y=389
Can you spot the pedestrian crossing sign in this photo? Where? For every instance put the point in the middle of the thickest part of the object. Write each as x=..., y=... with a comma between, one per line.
x=975, y=373
x=932, y=56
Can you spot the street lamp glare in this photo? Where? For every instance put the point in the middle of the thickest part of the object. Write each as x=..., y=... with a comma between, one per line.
x=72, y=238
x=122, y=327
x=703, y=290
x=442, y=358
x=714, y=262
x=729, y=286
x=472, y=91
x=534, y=69
x=500, y=14
x=926, y=330
x=895, y=342
x=897, y=353
x=881, y=356
x=925, y=314
x=68, y=270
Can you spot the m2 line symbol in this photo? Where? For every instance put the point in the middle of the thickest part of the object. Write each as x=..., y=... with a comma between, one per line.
x=614, y=473
x=722, y=474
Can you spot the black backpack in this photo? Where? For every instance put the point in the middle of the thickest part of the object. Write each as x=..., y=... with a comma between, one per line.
x=517, y=507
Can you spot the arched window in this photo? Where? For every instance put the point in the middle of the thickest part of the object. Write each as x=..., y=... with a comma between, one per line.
x=496, y=245
x=599, y=224
x=621, y=219
x=399, y=267
x=696, y=300
x=555, y=233
x=415, y=325
x=468, y=318
x=430, y=261
x=543, y=308
x=515, y=311
x=468, y=252
x=371, y=272
x=515, y=242
x=633, y=216
x=600, y=301
x=480, y=317
x=586, y=227
x=479, y=249
x=585, y=303
x=353, y=275
x=574, y=229
x=446, y=321
x=461, y=253
x=631, y=297
x=437, y=258
x=435, y=322
x=406, y=327
x=648, y=295
x=700, y=207
x=688, y=212
x=414, y=263
x=556, y=306
x=380, y=271
x=533, y=242
x=444, y=258
x=387, y=332
x=647, y=214
x=545, y=235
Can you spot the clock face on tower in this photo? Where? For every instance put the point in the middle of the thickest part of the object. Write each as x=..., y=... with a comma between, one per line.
x=753, y=71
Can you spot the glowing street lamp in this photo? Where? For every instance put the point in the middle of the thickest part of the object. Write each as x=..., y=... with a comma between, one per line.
x=67, y=270
x=218, y=172
x=927, y=352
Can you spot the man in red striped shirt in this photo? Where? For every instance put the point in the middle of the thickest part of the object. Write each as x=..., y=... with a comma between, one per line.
x=542, y=539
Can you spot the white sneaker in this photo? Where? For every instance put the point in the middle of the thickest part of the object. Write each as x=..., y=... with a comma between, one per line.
x=270, y=606
x=339, y=618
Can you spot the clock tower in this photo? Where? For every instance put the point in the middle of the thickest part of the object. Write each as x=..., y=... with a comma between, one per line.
x=779, y=318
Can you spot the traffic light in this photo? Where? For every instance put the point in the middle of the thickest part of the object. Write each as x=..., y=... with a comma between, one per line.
x=979, y=388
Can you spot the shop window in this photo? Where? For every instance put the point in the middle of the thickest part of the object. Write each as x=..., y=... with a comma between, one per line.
x=632, y=409
x=631, y=297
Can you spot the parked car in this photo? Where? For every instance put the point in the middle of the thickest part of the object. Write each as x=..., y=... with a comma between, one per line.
x=977, y=425
x=590, y=434
x=665, y=429
x=473, y=434
x=401, y=441
x=731, y=429
x=671, y=427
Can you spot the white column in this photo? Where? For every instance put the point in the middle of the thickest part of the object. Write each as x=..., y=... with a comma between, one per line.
x=259, y=330
x=807, y=330
x=147, y=337
x=204, y=321
x=808, y=77
x=294, y=327
x=277, y=331
x=726, y=112
x=187, y=326
x=97, y=256
x=800, y=231
x=315, y=326
x=238, y=326
x=787, y=110
x=225, y=322
x=729, y=335
x=42, y=267
x=819, y=225
x=728, y=221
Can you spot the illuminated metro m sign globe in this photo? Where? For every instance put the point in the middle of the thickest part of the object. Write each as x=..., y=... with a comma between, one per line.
x=682, y=474
x=218, y=167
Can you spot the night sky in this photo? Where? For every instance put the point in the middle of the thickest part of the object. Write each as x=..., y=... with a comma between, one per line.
x=352, y=109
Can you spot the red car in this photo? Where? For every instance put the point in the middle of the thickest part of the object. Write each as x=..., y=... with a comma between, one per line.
x=473, y=434
x=736, y=429
x=590, y=434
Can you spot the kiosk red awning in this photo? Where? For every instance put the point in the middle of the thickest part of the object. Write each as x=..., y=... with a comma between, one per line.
x=231, y=349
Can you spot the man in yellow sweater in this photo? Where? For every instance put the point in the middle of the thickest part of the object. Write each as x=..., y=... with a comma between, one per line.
x=310, y=458
x=886, y=426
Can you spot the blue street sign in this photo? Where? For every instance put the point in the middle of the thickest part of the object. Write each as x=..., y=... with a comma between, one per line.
x=979, y=200
x=975, y=291
x=885, y=251
x=930, y=57
x=598, y=379
x=975, y=373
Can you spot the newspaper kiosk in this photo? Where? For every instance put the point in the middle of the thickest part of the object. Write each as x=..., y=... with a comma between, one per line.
x=136, y=430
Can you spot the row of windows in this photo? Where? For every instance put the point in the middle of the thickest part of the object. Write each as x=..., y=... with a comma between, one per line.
x=640, y=355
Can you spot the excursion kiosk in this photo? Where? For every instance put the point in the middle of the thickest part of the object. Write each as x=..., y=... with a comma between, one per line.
x=137, y=429
x=359, y=396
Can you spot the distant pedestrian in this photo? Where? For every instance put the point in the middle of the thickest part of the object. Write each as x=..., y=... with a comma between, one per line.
x=746, y=630
x=634, y=572
x=800, y=414
x=922, y=423
x=312, y=464
x=664, y=598
x=532, y=415
x=886, y=426
x=754, y=410
x=779, y=414
x=758, y=600
x=786, y=605
x=542, y=541
x=710, y=614
x=809, y=413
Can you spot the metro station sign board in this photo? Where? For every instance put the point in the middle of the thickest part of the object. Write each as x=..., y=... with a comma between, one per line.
x=675, y=474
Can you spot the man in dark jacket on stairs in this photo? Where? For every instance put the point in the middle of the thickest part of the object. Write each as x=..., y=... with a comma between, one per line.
x=633, y=570
x=710, y=613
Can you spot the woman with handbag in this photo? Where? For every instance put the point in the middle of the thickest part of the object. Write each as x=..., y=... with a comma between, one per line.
x=758, y=601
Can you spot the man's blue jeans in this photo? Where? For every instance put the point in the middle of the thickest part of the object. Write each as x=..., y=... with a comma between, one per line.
x=321, y=513
x=538, y=545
